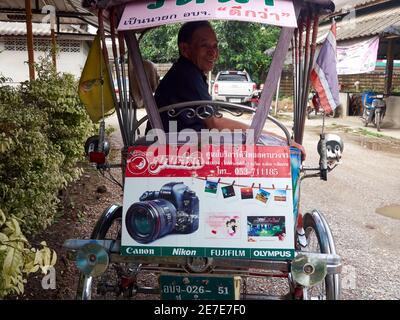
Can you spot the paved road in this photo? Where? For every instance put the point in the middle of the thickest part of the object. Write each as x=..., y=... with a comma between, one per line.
x=367, y=179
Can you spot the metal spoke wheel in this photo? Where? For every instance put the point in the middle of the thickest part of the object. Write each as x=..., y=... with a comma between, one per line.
x=117, y=281
x=320, y=240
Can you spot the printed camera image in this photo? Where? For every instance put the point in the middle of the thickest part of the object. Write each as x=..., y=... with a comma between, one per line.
x=173, y=209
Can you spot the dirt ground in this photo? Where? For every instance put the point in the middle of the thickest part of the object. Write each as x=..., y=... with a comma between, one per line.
x=83, y=201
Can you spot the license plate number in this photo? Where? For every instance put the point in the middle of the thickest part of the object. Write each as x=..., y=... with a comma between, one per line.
x=183, y=287
x=235, y=100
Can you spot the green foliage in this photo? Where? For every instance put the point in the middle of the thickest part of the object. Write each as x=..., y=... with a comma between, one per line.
x=68, y=123
x=242, y=46
x=43, y=127
x=29, y=164
x=160, y=44
x=18, y=259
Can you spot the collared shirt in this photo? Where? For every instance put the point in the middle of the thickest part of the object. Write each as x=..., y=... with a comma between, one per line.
x=183, y=82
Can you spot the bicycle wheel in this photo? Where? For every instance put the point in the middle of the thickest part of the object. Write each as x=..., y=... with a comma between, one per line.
x=320, y=240
x=107, y=227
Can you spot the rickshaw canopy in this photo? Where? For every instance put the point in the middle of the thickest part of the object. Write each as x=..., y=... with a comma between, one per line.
x=141, y=14
x=294, y=17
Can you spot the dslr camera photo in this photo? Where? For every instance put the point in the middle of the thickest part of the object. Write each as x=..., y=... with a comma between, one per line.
x=172, y=210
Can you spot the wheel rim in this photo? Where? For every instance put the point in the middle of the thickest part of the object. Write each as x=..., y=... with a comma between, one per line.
x=317, y=292
x=112, y=276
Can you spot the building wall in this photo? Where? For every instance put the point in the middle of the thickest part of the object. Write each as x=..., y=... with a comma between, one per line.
x=392, y=117
x=374, y=80
x=14, y=56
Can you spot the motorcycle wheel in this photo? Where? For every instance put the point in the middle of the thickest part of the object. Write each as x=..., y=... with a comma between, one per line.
x=309, y=110
x=364, y=118
x=378, y=120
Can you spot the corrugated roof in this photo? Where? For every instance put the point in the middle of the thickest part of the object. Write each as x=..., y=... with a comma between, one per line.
x=371, y=24
x=38, y=29
x=341, y=4
x=68, y=10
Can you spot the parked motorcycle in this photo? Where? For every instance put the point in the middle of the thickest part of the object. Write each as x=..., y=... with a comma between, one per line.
x=374, y=109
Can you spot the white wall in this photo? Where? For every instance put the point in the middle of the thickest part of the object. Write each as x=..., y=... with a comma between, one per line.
x=344, y=101
x=13, y=64
x=392, y=117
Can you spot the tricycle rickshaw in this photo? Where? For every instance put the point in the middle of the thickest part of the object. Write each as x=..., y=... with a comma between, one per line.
x=160, y=230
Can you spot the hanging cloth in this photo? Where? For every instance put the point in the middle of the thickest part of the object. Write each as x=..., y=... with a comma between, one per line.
x=95, y=85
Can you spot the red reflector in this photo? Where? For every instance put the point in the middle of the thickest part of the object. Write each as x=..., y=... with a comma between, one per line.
x=216, y=88
x=97, y=157
x=299, y=220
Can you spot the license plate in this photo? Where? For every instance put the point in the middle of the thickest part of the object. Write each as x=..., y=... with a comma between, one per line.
x=235, y=100
x=184, y=287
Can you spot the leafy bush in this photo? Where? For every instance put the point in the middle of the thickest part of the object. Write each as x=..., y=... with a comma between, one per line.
x=30, y=165
x=43, y=127
x=68, y=123
x=18, y=258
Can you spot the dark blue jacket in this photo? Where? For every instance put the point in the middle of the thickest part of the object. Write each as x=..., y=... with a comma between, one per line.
x=183, y=82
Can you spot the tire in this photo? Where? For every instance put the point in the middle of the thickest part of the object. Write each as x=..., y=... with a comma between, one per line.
x=365, y=118
x=309, y=111
x=378, y=120
x=320, y=240
x=107, y=227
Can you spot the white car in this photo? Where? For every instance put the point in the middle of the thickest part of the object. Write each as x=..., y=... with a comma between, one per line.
x=233, y=86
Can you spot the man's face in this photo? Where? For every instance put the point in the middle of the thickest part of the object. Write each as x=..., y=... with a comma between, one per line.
x=203, y=49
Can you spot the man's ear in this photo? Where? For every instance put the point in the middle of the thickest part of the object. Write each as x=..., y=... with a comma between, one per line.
x=184, y=49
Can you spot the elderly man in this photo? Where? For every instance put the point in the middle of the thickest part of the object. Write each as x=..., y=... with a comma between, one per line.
x=186, y=80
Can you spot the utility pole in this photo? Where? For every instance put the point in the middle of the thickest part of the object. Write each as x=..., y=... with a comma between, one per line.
x=29, y=39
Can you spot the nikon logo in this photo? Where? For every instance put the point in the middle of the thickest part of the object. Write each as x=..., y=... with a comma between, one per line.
x=183, y=252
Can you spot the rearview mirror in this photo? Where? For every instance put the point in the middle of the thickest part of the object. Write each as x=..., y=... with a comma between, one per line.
x=334, y=147
x=330, y=148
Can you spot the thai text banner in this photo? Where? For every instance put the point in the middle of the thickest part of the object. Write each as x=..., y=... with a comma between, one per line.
x=358, y=58
x=144, y=14
x=224, y=161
